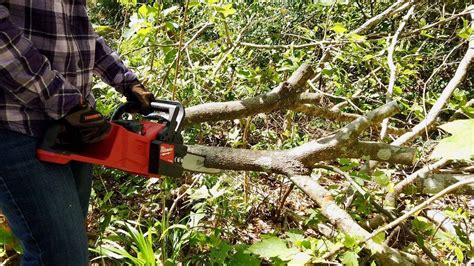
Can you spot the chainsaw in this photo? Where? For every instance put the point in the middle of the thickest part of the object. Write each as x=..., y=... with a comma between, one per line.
x=151, y=147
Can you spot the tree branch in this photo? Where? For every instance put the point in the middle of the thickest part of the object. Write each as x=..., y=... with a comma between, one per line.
x=344, y=222
x=421, y=206
x=393, y=9
x=278, y=98
x=391, y=198
x=344, y=142
x=459, y=76
x=393, y=68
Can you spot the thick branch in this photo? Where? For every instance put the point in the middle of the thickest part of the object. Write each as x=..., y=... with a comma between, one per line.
x=277, y=98
x=344, y=222
x=343, y=141
x=327, y=113
x=395, y=8
x=247, y=160
x=382, y=152
x=434, y=183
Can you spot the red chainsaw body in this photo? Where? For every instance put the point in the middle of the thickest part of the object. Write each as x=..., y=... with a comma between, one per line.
x=122, y=149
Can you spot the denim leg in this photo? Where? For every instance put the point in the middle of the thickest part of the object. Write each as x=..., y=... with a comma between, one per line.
x=82, y=173
x=41, y=203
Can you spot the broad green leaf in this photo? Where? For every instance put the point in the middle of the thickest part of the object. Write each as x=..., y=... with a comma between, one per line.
x=294, y=236
x=193, y=3
x=226, y=10
x=379, y=238
x=339, y=28
x=381, y=178
x=458, y=146
x=349, y=241
x=350, y=258
x=459, y=254
x=272, y=246
x=299, y=259
x=241, y=258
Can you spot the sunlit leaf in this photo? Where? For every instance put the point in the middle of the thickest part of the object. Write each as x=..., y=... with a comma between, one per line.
x=339, y=28
x=350, y=258
x=460, y=145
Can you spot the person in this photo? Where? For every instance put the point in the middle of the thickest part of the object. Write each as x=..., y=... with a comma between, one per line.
x=48, y=54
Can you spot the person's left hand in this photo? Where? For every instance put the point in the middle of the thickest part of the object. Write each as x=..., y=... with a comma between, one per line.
x=139, y=94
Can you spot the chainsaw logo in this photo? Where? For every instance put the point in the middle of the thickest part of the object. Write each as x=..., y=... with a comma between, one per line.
x=167, y=152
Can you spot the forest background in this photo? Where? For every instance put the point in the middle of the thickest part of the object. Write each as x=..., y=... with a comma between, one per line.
x=345, y=130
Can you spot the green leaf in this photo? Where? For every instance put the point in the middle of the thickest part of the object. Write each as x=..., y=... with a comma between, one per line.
x=169, y=10
x=350, y=258
x=356, y=37
x=193, y=3
x=381, y=178
x=272, y=246
x=466, y=31
x=458, y=146
x=349, y=241
x=379, y=238
x=299, y=259
x=242, y=258
x=459, y=254
x=226, y=10
x=294, y=236
x=339, y=28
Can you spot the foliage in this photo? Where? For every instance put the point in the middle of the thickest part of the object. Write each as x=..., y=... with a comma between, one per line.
x=239, y=218
x=232, y=219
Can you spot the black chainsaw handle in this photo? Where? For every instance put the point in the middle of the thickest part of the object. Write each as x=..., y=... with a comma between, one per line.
x=173, y=109
x=50, y=136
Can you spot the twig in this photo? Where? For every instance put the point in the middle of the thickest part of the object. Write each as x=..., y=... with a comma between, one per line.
x=442, y=21
x=311, y=84
x=289, y=46
x=235, y=44
x=392, y=67
x=181, y=37
x=425, y=85
x=283, y=199
x=421, y=206
x=459, y=76
x=396, y=7
x=391, y=198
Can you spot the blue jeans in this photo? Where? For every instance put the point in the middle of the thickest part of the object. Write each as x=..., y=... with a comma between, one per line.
x=45, y=204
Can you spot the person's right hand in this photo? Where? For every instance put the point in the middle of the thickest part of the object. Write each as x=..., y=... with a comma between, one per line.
x=83, y=125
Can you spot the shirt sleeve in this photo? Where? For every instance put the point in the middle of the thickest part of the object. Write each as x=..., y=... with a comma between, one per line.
x=27, y=75
x=111, y=69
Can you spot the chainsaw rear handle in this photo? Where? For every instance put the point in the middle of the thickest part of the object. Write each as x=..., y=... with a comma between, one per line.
x=51, y=135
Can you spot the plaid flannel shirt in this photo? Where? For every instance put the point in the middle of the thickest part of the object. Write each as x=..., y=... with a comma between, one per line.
x=48, y=53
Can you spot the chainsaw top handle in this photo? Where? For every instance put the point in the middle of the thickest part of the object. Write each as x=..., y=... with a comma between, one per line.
x=174, y=113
